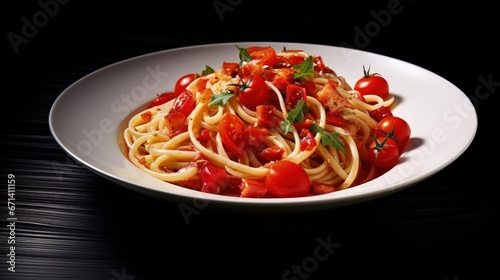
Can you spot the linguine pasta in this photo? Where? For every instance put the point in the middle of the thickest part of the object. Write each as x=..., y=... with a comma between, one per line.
x=179, y=157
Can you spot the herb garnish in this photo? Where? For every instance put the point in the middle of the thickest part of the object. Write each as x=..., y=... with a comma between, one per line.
x=295, y=115
x=306, y=68
x=328, y=138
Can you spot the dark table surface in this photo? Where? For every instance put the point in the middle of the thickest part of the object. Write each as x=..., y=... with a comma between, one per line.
x=74, y=224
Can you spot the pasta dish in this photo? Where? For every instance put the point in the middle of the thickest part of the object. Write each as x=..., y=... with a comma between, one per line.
x=273, y=124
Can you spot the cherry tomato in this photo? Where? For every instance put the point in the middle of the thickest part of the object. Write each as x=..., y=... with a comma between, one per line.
x=257, y=137
x=287, y=179
x=183, y=82
x=265, y=116
x=232, y=132
x=180, y=86
x=176, y=123
x=395, y=128
x=252, y=188
x=266, y=55
x=230, y=68
x=372, y=84
x=253, y=92
x=273, y=153
x=380, y=113
x=307, y=141
x=293, y=94
x=184, y=103
x=335, y=120
x=320, y=65
x=306, y=124
x=383, y=152
x=213, y=179
x=163, y=98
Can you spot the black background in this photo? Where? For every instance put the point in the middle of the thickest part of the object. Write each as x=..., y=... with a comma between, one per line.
x=74, y=224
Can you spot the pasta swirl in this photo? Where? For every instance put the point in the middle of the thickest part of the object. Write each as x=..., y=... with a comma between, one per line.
x=183, y=148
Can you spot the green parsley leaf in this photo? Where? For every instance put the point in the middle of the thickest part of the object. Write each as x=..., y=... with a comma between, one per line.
x=286, y=126
x=220, y=99
x=328, y=138
x=208, y=70
x=306, y=68
x=295, y=115
x=244, y=55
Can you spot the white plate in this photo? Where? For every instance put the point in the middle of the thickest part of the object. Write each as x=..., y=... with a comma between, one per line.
x=87, y=117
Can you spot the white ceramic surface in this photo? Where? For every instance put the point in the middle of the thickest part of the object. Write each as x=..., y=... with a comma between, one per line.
x=86, y=120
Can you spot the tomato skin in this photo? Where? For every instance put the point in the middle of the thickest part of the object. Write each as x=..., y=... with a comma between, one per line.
x=335, y=120
x=266, y=55
x=320, y=65
x=146, y=116
x=183, y=82
x=380, y=113
x=265, y=116
x=287, y=179
x=205, y=136
x=257, y=137
x=307, y=141
x=395, y=128
x=273, y=153
x=230, y=68
x=293, y=94
x=233, y=133
x=163, y=98
x=383, y=152
x=213, y=179
x=180, y=86
x=176, y=123
x=306, y=124
x=255, y=92
x=184, y=103
x=308, y=85
x=252, y=188
x=372, y=84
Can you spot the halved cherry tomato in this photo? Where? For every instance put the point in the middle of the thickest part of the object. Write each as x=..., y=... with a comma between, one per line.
x=213, y=179
x=232, y=132
x=294, y=59
x=335, y=120
x=293, y=94
x=184, y=103
x=230, y=68
x=253, y=92
x=265, y=116
x=383, y=152
x=252, y=188
x=163, y=98
x=266, y=55
x=306, y=124
x=395, y=128
x=205, y=136
x=180, y=86
x=308, y=85
x=307, y=141
x=257, y=137
x=287, y=179
x=183, y=82
x=176, y=123
x=146, y=116
x=320, y=66
x=381, y=113
x=272, y=153
x=372, y=84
